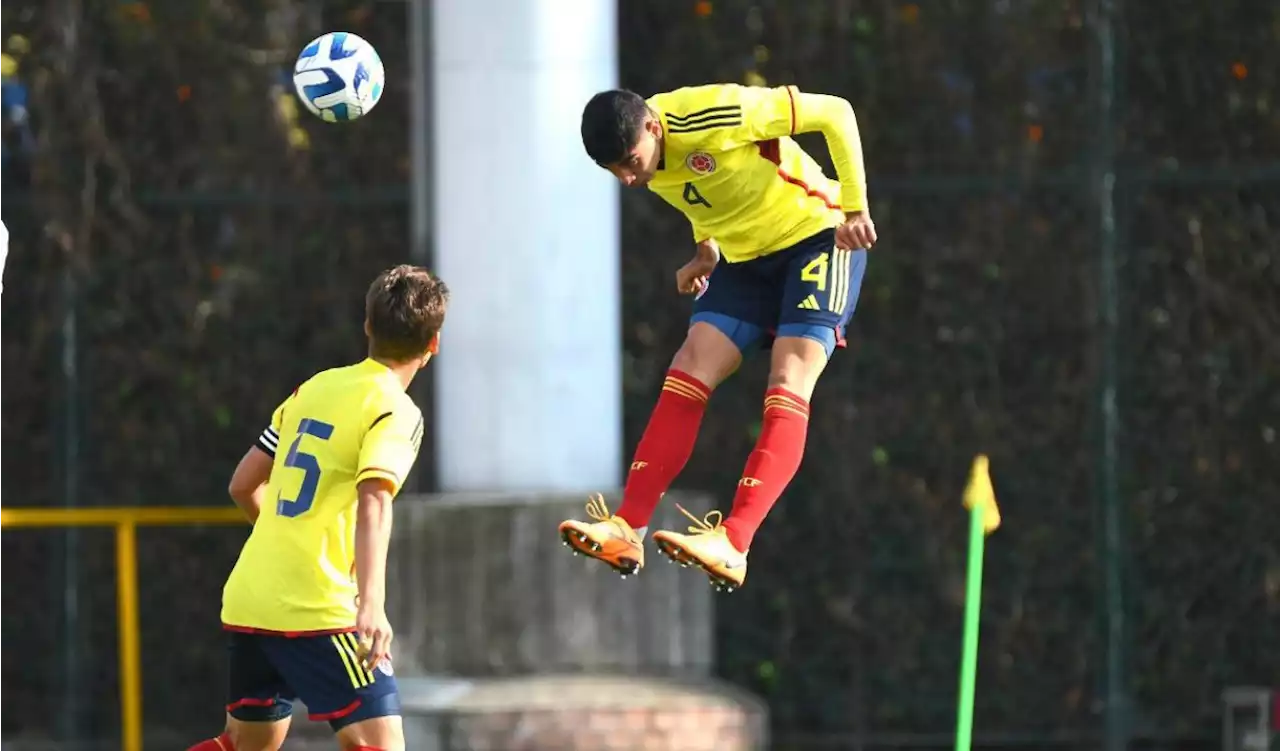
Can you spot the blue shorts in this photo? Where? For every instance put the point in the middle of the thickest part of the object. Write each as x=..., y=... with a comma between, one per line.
x=269, y=671
x=808, y=290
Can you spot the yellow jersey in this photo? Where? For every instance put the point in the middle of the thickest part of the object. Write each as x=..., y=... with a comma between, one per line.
x=730, y=165
x=296, y=573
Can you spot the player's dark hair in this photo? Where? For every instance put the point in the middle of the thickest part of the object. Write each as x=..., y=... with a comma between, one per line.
x=612, y=123
x=405, y=309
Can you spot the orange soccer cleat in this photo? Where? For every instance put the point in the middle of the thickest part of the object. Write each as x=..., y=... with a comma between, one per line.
x=706, y=546
x=609, y=539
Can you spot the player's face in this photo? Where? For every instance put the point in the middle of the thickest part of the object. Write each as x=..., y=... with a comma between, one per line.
x=641, y=163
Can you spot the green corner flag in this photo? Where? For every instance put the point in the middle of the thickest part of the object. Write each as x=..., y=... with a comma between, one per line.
x=984, y=518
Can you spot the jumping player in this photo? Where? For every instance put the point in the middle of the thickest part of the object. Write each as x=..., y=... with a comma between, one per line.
x=304, y=607
x=781, y=251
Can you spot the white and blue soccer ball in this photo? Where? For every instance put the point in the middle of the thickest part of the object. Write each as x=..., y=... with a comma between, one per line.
x=339, y=77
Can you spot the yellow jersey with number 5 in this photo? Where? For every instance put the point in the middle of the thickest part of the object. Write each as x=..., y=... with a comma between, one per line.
x=295, y=574
x=730, y=165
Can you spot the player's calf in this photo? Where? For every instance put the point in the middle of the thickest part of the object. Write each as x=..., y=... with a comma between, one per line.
x=796, y=365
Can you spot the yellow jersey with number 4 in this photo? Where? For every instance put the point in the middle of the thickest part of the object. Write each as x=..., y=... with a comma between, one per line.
x=295, y=574
x=730, y=165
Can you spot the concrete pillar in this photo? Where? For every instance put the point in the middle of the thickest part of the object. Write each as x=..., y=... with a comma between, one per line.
x=528, y=382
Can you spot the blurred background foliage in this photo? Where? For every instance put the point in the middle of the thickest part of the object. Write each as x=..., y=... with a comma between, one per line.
x=183, y=245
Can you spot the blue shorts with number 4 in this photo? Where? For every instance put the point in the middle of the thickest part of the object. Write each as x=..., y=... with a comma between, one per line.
x=269, y=671
x=808, y=290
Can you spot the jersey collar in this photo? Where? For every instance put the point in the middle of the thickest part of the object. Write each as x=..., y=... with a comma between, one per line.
x=375, y=367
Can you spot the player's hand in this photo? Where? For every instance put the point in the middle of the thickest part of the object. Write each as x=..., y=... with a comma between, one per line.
x=373, y=632
x=692, y=278
x=858, y=231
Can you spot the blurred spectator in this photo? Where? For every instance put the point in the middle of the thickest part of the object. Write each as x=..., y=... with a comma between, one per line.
x=18, y=139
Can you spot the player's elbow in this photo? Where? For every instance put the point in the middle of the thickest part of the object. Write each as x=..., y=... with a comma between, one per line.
x=239, y=492
x=243, y=490
x=842, y=110
x=251, y=473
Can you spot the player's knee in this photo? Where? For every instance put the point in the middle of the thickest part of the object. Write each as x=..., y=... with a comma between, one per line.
x=256, y=736
x=797, y=362
x=381, y=733
x=707, y=354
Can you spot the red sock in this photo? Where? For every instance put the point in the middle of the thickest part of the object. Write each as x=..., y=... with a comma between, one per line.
x=221, y=743
x=771, y=465
x=665, y=446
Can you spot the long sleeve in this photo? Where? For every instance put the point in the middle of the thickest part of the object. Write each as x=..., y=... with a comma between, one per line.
x=834, y=118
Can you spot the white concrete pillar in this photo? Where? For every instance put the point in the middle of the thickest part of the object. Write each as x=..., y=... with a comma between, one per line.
x=528, y=382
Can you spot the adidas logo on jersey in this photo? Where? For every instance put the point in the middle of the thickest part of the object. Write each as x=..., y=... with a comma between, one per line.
x=810, y=303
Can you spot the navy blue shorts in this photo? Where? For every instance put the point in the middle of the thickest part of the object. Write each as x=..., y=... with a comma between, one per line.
x=809, y=290
x=269, y=671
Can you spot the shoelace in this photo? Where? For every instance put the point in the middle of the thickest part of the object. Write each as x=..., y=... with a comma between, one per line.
x=705, y=525
x=596, y=508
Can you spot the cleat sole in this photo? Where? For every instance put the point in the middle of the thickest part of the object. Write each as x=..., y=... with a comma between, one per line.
x=580, y=544
x=676, y=554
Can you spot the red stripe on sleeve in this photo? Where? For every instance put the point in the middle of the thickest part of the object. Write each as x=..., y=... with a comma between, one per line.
x=791, y=95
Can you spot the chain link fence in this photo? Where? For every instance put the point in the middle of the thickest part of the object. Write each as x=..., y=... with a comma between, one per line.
x=184, y=246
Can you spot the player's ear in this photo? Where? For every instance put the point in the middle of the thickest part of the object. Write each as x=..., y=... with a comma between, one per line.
x=368, y=330
x=433, y=347
x=654, y=127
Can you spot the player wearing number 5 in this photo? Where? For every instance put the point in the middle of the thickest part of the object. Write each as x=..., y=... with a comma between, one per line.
x=304, y=607
x=781, y=251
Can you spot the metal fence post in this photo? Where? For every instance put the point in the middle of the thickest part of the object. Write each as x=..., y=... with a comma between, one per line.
x=130, y=648
x=1102, y=186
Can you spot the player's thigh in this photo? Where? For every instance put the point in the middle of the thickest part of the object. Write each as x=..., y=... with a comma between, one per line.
x=384, y=733
x=330, y=679
x=259, y=699
x=819, y=298
x=730, y=317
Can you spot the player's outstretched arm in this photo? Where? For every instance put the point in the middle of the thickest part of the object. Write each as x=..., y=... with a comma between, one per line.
x=833, y=117
x=249, y=482
x=373, y=539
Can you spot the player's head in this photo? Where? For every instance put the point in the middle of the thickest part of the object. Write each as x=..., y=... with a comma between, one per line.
x=623, y=135
x=403, y=313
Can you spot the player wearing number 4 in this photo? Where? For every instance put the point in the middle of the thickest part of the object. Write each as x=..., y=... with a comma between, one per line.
x=781, y=251
x=304, y=607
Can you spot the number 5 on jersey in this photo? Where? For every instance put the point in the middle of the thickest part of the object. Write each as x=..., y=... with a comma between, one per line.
x=298, y=459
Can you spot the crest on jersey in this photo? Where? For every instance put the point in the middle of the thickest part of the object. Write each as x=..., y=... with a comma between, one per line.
x=700, y=163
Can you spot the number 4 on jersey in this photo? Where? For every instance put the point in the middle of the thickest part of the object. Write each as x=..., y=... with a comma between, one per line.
x=693, y=197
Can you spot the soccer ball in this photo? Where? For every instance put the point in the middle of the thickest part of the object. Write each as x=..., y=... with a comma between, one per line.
x=339, y=77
